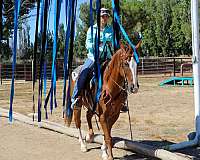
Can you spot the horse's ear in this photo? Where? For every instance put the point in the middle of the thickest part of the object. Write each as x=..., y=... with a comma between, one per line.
x=121, y=45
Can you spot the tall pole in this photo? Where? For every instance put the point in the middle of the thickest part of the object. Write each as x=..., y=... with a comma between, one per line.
x=196, y=63
x=1, y=7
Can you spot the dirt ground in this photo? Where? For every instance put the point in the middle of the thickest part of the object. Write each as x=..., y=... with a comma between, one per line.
x=158, y=115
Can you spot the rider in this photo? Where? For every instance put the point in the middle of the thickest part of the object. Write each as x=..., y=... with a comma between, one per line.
x=106, y=35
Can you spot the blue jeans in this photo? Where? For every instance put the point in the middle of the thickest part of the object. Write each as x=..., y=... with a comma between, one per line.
x=79, y=85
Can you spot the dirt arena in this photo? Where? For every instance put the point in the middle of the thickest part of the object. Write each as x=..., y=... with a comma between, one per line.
x=158, y=115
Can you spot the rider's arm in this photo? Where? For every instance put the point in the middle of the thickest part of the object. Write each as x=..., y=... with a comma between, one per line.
x=108, y=38
x=89, y=41
x=139, y=44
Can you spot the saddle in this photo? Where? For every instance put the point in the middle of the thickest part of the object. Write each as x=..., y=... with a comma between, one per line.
x=89, y=88
x=90, y=80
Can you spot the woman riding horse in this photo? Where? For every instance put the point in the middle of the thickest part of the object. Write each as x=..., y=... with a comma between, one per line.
x=106, y=35
x=120, y=76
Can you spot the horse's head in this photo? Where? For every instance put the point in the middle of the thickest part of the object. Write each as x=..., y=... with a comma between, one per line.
x=130, y=69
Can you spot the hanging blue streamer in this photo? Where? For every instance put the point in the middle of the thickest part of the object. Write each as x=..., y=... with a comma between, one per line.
x=45, y=78
x=16, y=14
x=45, y=85
x=68, y=24
x=53, y=80
x=91, y=19
x=116, y=17
x=68, y=106
x=41, y=18
x=115, y=27
x=43, y=46
x=97, y=40
x=45, y=64
x=40, y=78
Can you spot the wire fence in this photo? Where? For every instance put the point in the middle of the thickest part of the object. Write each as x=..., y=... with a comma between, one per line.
x=170, y=66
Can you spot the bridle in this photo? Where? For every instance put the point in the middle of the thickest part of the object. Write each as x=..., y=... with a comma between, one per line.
x=125, y=77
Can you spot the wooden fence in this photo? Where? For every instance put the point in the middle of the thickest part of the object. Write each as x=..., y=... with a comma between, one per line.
x=147, y=66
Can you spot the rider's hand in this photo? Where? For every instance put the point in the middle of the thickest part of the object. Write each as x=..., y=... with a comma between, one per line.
x=140, y=35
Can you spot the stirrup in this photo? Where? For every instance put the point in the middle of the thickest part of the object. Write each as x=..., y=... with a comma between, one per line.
x=92, y=82
x=74, y=102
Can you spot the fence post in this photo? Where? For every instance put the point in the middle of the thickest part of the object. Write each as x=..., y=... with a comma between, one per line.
x=174, y=67
x=24, y=72
x=142, y=66
x=32, y=70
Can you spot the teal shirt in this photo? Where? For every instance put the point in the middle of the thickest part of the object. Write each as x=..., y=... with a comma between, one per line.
x=105, y=35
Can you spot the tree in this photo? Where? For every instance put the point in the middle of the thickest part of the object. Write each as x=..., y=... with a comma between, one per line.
x=8, y=20
x=25, y=51
x=164, y=24
x=61, y=41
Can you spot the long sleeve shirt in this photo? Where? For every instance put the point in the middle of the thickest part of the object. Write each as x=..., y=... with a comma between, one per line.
x=106, y=35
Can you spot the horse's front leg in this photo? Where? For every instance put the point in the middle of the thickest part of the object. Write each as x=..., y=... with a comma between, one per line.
x=104, y=150
x=77, y=119
x=107, y=137
x=90, y=136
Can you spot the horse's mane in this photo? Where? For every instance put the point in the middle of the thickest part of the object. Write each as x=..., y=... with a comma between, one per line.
x=113, y=64
x=115, y=59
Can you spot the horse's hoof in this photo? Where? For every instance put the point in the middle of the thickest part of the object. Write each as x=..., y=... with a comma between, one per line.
x=84, y=148
x=89, y=138
x=104, y=156
x=110, y=158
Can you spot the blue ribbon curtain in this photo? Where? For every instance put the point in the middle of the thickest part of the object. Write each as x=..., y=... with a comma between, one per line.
x=68, y=11
x=16, y=14
x=53, y=71
x=97, y=63
x=70, y=58
x=45, y=63
x=44, y=29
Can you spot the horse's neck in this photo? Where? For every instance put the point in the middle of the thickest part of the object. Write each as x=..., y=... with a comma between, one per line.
x=113, y=81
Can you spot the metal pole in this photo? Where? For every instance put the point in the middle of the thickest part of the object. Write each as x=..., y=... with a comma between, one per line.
x=196, y=74
x=195, y=61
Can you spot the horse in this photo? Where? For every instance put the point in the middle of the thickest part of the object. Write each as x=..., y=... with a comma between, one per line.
x=119, y=77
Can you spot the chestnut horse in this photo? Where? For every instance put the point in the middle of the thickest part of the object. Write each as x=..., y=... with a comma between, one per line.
x=119, y=78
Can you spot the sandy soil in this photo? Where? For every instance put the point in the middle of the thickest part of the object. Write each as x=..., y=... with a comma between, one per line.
x=157, y=114
x=24, y=142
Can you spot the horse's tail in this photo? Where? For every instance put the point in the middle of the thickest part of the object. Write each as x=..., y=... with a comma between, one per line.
x=68, y=119
x=68, y=114
x=69, y=111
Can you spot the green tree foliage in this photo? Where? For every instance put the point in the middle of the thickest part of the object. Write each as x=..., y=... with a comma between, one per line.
x=164, y=24
x=8, y=25
x=61, y=41
x=8, y=12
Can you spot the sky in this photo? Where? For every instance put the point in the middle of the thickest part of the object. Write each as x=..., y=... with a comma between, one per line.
x=32, y=19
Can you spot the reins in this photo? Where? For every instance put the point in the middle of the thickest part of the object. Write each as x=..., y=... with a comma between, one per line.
x=120, y=87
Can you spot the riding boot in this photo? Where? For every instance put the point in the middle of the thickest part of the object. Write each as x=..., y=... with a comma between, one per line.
x=75, y=102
